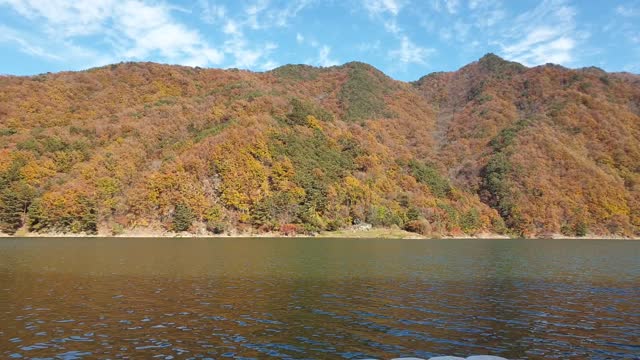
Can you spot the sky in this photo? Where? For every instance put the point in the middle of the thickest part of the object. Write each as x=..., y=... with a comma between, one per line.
x=406, y=39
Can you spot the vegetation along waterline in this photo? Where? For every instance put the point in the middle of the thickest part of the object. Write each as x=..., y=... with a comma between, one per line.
x=493, y=148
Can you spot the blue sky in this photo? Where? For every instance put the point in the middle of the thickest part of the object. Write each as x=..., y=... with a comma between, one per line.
x=404, y=38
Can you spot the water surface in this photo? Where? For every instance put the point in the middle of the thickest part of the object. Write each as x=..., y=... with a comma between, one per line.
x=318, y=298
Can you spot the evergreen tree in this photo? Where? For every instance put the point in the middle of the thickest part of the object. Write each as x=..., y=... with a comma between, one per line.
x=90, y=221
x=14, y=202
x=581, y=229
x=182, y=218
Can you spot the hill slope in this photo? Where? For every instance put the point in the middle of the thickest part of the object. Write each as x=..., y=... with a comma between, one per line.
x=492, y=147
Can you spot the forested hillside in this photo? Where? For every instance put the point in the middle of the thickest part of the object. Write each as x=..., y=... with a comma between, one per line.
x=494, y=147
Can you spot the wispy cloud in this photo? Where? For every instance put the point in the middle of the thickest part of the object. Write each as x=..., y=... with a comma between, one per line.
x=210, y=12
x=457, y=22
x=487, y=14
x=404, y=37
x=450, y=6
x=246, y=54
x=544, y=34
x=140, y=30
x=623, y=30
x=378, y=7
x=324, y=57
x=628, y=10
x=135, y=29
x=263, y=14
x=459, y=32
x=406, y=51
x=410, y=53
x=258, y=15
x=269, y=65
x=282, y=16
x=391, y=25
x=369, y=46
x=148, y=29
x=26, y=46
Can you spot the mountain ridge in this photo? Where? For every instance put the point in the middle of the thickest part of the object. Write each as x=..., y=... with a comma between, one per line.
x=487, y=55
x=305, y=149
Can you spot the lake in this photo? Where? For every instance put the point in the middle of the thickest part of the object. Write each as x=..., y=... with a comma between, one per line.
x=73, y=298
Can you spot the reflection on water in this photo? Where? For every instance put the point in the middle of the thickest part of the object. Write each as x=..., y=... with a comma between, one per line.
x=318, y=298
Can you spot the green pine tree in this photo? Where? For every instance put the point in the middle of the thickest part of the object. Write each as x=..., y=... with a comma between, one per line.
x=182, y=218
x=14, y=202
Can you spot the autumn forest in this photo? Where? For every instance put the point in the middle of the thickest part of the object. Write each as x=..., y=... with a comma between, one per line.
x=494, y=147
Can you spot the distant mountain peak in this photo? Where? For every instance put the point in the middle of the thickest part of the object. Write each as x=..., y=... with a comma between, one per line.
x=494, y=63
x=491, y=57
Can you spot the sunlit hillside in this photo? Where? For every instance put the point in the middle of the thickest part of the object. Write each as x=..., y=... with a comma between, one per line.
x=494, y=147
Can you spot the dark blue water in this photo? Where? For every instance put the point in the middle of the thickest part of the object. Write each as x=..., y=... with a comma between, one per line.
x=318, y=298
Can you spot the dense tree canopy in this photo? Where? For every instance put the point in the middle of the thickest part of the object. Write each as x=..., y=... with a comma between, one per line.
x=492, y=147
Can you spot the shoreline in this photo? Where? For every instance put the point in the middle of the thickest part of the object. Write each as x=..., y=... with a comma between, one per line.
x=375, y=233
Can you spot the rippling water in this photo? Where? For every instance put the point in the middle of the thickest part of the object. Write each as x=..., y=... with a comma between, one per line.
x=318, y=298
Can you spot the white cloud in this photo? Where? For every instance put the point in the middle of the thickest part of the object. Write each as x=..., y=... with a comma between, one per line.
x=231, y=28
x=270, y=46
x=557, y=51
x=245, y=54
x=487, y=14
x=544, y=34
x=65, y=18
x=392, y=26
x=539, y=35
x=324, y=58
x=10, y=35
x=378, y=7
x=623, y=27
x=281, y=17
x=151, y=29
x=253, y=11
x=458, y=32
x=269, y=65
x=258, y=15
x=211, y=13
x=410, y=53
x=627, y=10
x=76, y=32
x=473, y=4
x=369, y=46
x=136, y=29
x=62, y=51
x=262, y=14
x=450, y=6
x=387, y=12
